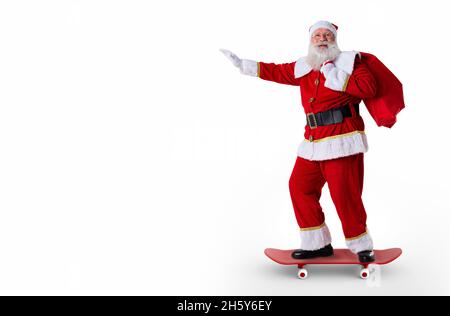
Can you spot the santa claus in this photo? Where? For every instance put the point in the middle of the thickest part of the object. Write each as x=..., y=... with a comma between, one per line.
x=332, y=83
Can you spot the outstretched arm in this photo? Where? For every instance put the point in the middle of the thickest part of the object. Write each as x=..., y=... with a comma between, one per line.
x=280, y=73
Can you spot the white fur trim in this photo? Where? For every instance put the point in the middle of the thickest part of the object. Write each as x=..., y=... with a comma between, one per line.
x=334, y=147
x=315, y=239
x=346, y=61
x=323, y=24
x=249, y=67
x=302, y=68
x=336, y=79
x=360, y=244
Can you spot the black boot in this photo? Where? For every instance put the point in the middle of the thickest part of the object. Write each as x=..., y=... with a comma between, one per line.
x=326, y=251
x=366, y=256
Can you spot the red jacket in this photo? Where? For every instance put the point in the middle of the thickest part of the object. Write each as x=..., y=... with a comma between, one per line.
x=353, y=83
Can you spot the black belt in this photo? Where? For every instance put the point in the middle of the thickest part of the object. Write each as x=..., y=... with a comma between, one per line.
x=333, y=116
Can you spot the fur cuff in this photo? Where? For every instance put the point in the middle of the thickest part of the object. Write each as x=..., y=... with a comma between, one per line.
x=314, y=239
x=249, y=67
x=361, y=243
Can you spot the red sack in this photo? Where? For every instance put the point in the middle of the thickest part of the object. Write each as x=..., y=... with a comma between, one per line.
x=388, y=101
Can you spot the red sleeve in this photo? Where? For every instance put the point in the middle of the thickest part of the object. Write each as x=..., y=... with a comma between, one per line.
x=361, y=83
x=280, y=73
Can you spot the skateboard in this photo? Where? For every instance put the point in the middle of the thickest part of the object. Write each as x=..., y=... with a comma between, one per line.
x=341, y=256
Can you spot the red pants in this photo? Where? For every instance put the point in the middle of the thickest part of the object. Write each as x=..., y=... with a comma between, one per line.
x=345, y=178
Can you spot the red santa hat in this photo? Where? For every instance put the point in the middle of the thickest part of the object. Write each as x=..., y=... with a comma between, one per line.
x=323, y=24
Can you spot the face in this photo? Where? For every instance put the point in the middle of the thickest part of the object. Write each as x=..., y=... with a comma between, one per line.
x=321, y=38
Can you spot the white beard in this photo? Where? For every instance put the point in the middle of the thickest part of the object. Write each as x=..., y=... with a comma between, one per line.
x=316, y=58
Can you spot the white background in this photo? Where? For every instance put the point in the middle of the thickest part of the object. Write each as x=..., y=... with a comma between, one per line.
x=135, y=159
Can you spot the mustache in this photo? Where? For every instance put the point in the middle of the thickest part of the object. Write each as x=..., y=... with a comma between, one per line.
x=327, y=44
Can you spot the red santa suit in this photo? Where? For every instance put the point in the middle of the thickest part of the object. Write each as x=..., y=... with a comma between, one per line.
x=333, y=153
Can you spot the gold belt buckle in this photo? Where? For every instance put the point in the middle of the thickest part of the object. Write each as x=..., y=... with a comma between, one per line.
x=308, y=118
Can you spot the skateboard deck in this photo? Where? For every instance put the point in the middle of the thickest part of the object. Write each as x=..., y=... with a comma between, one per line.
x=341, y=256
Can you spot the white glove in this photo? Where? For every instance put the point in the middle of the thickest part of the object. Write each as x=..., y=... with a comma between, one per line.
x=247, y=67
x=336, y=79
x=327, y=65
x=237, y=62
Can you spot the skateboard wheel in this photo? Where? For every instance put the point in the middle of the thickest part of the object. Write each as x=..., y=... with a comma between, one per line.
x=302, y=274
x=364, y=274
